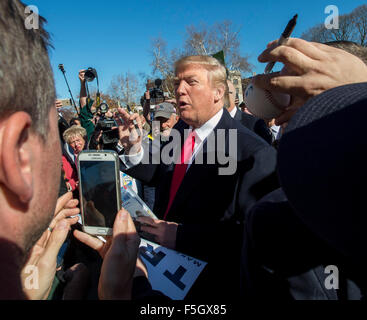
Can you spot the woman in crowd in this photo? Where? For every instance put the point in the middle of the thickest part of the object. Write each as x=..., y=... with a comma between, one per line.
x=76, y=137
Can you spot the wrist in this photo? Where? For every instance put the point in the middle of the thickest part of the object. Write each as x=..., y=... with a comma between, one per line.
x=133, y=150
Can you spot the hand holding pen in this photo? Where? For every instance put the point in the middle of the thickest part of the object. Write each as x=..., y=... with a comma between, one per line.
x=283, y=40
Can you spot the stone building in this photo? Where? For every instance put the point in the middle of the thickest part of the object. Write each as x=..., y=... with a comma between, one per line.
x=235, y=77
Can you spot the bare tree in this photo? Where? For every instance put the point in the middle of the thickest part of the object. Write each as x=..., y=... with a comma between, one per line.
x=163, y=62
x=352, y=27
x=105, y=97
x=317, y=33
x=224, y=36
x=125, y=88
x=346, y=30
x=199, y=40
x=359, y=16
x=320, y=33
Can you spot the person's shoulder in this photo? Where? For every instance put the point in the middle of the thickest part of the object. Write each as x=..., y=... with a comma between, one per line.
x=245, y=117
x=251, y=122
x=246, y=136
x=248, y=142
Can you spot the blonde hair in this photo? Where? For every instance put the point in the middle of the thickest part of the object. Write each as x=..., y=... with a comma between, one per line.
x=73, y=132
x=216, y=71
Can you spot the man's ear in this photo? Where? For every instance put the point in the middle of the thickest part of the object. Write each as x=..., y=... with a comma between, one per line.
x=16, y=156
x=219, y=94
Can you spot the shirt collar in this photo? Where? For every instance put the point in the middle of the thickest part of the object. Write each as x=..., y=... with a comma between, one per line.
x=275, y=129
x=206, y=129
x=233, y=112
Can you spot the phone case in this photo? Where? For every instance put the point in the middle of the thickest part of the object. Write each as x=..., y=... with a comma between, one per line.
x=106, y=230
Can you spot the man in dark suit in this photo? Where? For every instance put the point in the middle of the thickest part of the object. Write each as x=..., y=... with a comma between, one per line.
x=252, y=123
x=228, y=170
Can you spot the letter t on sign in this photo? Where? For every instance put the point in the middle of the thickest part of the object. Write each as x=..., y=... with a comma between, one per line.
x=176, y=277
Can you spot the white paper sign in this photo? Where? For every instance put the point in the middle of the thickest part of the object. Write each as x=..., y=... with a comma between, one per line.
x=170, y=272
x=131, y=202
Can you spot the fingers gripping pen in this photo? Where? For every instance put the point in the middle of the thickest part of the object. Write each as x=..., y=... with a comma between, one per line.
x=283, y=39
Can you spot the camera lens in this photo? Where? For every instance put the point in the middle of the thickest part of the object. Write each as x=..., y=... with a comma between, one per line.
x=90, y=74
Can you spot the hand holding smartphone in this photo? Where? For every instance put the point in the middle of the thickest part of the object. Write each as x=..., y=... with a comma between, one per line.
x=100, y=196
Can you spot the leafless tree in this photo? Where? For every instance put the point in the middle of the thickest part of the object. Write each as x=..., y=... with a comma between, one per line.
x=352, y=27
x=320, y=33
x=346, y=30
x=359, y=16
x=125, y=88
x=199, y=40
x=163, y=62
x=202, y=40
x=317, y=33
x=221, y=36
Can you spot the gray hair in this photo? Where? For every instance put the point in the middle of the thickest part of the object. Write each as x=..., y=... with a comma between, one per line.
x=26, y=78
x=74, y=131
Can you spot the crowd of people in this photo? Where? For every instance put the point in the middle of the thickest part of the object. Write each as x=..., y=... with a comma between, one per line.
x=269, y=221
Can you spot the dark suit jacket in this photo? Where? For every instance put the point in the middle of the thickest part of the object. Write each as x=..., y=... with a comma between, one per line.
x=211, y=207
x=254, y=124
x=283, y=260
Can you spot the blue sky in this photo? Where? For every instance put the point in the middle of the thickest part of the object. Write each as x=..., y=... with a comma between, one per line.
x=114, y=36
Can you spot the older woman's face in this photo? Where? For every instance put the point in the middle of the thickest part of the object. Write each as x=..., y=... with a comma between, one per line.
x=77, y=143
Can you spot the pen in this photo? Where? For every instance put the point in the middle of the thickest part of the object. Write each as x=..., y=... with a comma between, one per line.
x=283, y=39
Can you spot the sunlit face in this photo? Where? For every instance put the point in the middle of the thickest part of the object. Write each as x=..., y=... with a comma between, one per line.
x=46, y=181
x=166, y=124
x=77, y=143
x=195, y=95
x=232, y=95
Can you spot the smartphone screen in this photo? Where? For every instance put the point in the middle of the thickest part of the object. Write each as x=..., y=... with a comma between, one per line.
x=99, y=194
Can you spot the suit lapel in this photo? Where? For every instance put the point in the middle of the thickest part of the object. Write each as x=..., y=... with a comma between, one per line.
x=198, y=172
x=238, y=115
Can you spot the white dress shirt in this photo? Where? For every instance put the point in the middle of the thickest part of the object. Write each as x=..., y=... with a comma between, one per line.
x=233, y=112
x=201, y=134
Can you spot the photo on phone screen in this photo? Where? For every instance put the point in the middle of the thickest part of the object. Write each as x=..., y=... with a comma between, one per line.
x=98, y=193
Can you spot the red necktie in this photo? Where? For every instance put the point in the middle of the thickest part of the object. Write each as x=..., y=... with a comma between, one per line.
x=181, y=168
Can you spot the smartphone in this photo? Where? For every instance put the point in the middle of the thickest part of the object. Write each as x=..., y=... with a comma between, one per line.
x=99, y=190
x=66, y=102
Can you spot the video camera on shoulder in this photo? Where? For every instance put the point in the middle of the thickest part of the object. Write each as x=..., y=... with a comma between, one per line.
x=156, y=92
